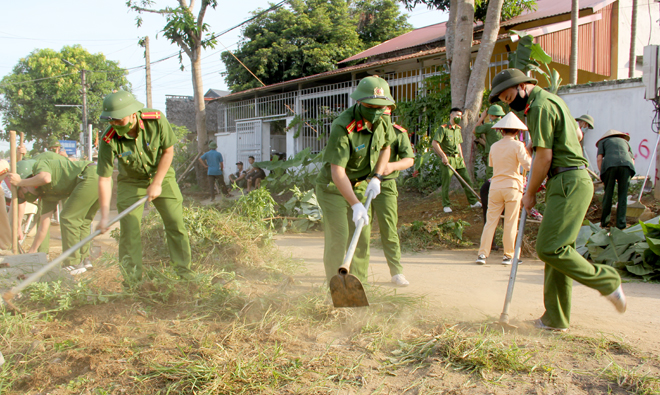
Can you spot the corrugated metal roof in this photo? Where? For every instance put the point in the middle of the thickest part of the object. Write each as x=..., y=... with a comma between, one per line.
x=548, y=8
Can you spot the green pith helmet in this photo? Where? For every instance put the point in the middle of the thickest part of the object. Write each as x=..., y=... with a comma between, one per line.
x=24, y=168
x=496, y=110
x=588, y=119
x=505, y=79
x=373, y=90
x=119, y=105
x=213, y=145
x=53, y=142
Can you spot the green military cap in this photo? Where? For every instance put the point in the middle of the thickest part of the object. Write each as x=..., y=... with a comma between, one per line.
x=53, y=142
x=373, y=90
x=505, y=79
x=588, y=119
x=496, y=110
x=24, y=168
x=213, y=145
x=118, y=105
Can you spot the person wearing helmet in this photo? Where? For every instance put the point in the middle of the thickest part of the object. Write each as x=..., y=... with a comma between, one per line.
x=55, y=146
x=616, y=163
x=585, y=122
x=568, y=195
x=212, y=161
x=142, y=141
x=358, y=148
x=446, y=143
x=385, y=205
x=51, y=180
x=490, y=136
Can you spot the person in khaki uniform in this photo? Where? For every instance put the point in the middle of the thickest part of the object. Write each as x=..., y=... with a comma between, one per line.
x=385, y=205
x=52, y=180
x=616, y=163
x=142, y=141
x=568, y=194
x=506, y=187
x=447, y=141
x=358, y=148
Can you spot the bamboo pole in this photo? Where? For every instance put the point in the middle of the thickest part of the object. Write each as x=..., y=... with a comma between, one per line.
x=20, y=154
x=14, y=195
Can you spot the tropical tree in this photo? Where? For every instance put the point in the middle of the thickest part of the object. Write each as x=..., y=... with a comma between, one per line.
x=42, y=80
x=309, y=37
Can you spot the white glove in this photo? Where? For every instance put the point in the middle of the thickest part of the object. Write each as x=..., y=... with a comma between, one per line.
x=373, y=187
x=360, y=212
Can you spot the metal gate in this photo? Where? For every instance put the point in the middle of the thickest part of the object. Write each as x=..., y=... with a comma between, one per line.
x=248, y=140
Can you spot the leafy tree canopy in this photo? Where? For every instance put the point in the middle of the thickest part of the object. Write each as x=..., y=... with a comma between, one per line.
x=41, y=80
x=310, y=37
x=510, y=9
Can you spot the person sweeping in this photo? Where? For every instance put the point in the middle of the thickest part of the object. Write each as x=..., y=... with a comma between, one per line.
x=506, y=187
x=616, y=163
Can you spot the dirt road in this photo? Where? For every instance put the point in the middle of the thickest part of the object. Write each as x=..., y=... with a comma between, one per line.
x=459, y=289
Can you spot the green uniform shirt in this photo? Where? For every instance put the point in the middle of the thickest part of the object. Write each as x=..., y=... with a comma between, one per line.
x=64, y=178
x=449, y=137
x=138, y=157
x=616, y=152
x=400, y=149
x=52, y=156
x=354, y=147
x=492, y=136
x=552, y=126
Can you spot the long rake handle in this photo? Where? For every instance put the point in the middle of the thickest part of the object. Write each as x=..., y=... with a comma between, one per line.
x=465, y=183
x=9, y=295
x=343, y=269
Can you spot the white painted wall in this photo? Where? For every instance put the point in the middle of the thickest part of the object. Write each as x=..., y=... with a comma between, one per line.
x=648, y=32
x=619, y=106
x=228, y=147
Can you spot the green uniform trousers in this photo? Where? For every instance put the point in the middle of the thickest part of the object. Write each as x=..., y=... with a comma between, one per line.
x=170, y=208
x=621, y=175
x=78, y=213
x=385, y=208
x=446, y=175
x=45, y=245
x=338, y=229
x=568, y=196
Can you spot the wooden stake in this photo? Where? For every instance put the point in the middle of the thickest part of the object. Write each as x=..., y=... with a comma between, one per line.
x=14, y=195
x=20, y=155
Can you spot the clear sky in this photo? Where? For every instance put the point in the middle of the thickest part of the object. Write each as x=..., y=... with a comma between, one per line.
x=108, y=26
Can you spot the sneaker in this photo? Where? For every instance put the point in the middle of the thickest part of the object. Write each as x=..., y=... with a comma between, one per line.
x=481, y=259
x=507, y=260
x=75, y=270
x=540, y=325
x=618, y=299
x=476, y=205
x=400, y=280
x=447, y=209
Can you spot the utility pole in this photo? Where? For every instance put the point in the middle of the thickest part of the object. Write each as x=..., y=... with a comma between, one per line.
x=147, y=59
x=573, y=63
x=84, y=100
x=632, y=60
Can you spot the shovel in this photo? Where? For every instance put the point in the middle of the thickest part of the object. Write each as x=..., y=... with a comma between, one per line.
x=346, y=290
x=465, y=183
x=636, y=209
x=9, y=295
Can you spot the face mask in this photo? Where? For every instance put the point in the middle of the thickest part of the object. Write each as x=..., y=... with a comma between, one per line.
x=457, y=120
x=519, y=103
x=371, y=114
x=123, y=130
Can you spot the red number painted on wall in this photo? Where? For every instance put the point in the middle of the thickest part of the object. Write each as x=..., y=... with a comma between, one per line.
x=643, y=149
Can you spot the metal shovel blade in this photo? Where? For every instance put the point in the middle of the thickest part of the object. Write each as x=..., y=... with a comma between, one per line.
x=347, y=291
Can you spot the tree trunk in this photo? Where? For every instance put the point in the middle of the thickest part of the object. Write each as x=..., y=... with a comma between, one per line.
x=461, y=53
x=449, y=33
x=632, y=60
x=476, y=83
x=200, y=114
x=573, y=67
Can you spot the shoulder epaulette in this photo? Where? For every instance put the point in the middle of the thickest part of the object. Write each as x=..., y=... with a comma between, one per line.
x=355, y=126
x=400, y=128
x=351, y=126
x=444, y=125
x=109, y=135
x=151, y=115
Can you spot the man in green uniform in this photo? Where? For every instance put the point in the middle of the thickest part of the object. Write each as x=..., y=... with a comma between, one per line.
x=385, y=205
x=568, y=195
x=358, y=147
x=447, y=144
x=55, y=146
x=616, y=163
x=585, y=122
x=490, y=135
x=51, y=180
x=142, y=141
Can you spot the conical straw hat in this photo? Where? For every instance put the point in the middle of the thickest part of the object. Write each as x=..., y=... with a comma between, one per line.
x=611, y=133
x=4, y=169
x=510, y=121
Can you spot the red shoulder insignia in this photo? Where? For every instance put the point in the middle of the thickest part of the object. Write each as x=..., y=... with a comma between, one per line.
x=388, y=111
x=151, y=115
x=109, y=135
x=360, y=126
x=351, y=126
x=400, y=128
x=444, y=125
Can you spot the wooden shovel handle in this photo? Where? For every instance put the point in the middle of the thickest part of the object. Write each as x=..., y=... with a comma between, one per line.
x=346, y=266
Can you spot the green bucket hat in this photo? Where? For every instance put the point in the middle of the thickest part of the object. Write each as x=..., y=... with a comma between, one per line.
x=213, y=145
x=505, y=79
x=588, y=119
x=496, y=110
x=119, y=105
x=24, y=168
x=373, y=90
